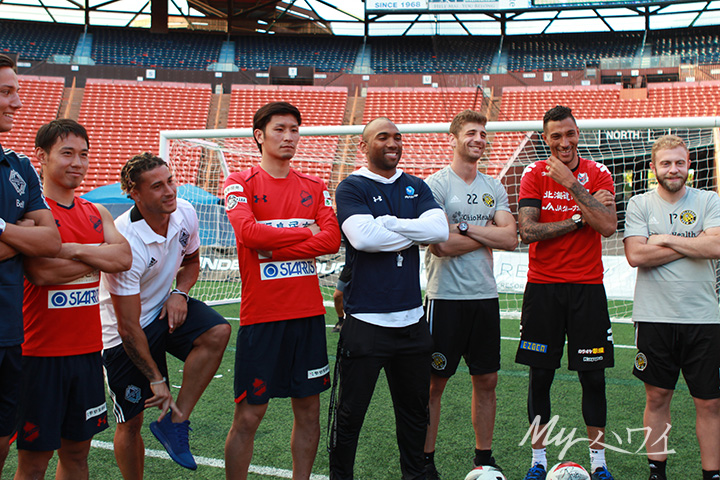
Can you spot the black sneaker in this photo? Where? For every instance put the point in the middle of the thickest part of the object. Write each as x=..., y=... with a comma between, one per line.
x=491, y=464
x=431, y=472
x=655, y=476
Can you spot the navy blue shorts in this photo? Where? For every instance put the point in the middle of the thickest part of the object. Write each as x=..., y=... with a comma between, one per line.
x=10, y=378
x=62, y=397
x=667, y=348
x=129, y=388
x=467, y=329
x=281, y=359
x=552, y=311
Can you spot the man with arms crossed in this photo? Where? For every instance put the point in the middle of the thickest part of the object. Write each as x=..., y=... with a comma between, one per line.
x=566, y=204
x=27, y=229
x=385, y=214
x=462, y=305
x=282, y=219
x=144, y=317
x=63, y=394
x=672, y=234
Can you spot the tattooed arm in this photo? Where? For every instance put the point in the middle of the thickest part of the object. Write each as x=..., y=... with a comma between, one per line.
x=532, y=230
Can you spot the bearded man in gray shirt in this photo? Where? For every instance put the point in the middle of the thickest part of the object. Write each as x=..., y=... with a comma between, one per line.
x=672, y=234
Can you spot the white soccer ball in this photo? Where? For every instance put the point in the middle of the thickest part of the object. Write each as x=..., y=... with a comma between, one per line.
x=484, y=472
x=567, y=471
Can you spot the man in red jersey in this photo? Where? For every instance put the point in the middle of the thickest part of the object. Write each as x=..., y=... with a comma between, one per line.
x=63, y=396
x=566, y=204
x=282, y=219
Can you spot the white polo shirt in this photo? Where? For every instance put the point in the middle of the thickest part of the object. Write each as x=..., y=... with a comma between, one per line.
x=156, y=260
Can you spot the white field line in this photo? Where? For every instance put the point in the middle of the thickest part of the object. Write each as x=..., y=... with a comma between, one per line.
x=214, y=462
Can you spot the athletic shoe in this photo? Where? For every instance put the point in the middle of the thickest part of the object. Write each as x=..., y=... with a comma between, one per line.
x=537, y=472
x=431, y=472
x=655, y=476
x=337, y=328
x=491, y=464
x=174, y=437
x=602, y=473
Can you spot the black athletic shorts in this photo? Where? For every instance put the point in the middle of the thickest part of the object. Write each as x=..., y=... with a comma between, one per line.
x=552, y=311
x=10, y=379
x=62, y=397
x=667, y=348
x=467, y=329
x=281, y=359
x=129, y=388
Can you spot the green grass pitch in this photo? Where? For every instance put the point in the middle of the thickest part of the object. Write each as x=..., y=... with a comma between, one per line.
x=377, y=457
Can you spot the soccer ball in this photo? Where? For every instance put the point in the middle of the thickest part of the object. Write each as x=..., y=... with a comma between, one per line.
x=483, y=472
x=567, y=471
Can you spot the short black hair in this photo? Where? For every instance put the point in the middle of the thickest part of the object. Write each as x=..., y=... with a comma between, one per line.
x=265, y=113
x=135, y=167
x=6, y=61
x=557, y=114
x=49, y=133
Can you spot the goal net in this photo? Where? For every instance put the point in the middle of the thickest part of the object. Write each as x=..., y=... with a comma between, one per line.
x=202, y=159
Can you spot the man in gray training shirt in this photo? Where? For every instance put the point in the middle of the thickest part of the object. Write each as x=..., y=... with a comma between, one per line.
x=673, y=235
x=462, y=300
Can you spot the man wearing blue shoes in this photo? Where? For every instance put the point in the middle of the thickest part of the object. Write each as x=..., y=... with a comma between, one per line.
x=144, y=317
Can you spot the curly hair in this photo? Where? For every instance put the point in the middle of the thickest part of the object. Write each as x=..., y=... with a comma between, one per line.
x=557, y=114
x=135, y=167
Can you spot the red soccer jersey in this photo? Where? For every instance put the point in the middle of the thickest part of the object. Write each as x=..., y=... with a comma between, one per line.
x=575, y=257
x=271, y=214
x=63, y=320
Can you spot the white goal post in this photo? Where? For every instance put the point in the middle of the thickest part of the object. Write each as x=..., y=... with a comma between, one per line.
x=202, y=159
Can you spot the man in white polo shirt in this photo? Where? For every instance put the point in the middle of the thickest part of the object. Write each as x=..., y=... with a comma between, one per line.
x=145, y=317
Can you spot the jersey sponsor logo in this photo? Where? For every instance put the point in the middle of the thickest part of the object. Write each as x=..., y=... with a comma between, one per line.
x=533, y=347
x=92, y=277
x=306, y=199
x=84, y=297
x=18, y=182
x=592, y=359
x=641, y=361
x=96, y=223
x=319, y=372
x=591, y=351
x=688, y=217
x=232, y=189
x=133, y=394
x=582, y=178
x=184, y=237
x=488, y=200
x=292, y=269
x=95, y=411
x=559, y=195
x=439, y=361
x=458, y=217
x=410, y=192
x=288, y=222
x=328, y=199
x=560, y=208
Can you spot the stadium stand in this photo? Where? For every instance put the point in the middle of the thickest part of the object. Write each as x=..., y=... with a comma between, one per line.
x=38, y=41
x=697, y=45
x=326, y=53
x=318, y=106
x=432, y=54
x=421, y=153
x=567, y=51
x=124, y=118
x=41, y=97
x=140, y=48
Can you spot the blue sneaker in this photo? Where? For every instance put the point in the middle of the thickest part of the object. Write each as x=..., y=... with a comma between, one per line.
x=537, y=472
x=602, y=473
x=174, y=437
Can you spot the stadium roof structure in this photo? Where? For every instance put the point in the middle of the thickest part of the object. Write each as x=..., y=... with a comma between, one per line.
x=374, y=17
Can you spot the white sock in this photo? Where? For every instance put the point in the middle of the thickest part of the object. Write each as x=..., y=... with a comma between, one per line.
x=597, y=459
x=539, y=456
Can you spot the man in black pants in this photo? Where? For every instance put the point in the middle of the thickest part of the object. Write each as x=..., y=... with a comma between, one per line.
x=566, y=204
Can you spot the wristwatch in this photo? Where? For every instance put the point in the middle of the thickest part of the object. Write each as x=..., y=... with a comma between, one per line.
x=2, y=225
x=577, y=218
x=463, y=227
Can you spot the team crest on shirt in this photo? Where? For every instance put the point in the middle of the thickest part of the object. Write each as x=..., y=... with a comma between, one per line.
x=96, y=223
x=306, y=199
x=488, y=200
x=640, y=361
x=133, y=394
x=410, y=192
x=439, y=362
x=184, y=237
x=18, y=182
x=582, y=178
x=688, y=217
